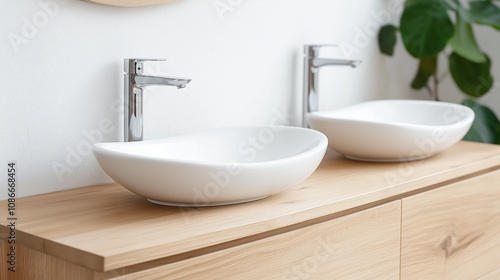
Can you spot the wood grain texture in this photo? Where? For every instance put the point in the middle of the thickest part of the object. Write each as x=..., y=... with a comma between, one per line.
x=495, y=275
x=130, y=3
x=104, y=228
x=453, y=232
x=336, y=249
x=31, y=264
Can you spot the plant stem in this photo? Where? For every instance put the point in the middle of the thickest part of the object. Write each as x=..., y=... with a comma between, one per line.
x=429, y=90
x=435, y=81
x=435, y=88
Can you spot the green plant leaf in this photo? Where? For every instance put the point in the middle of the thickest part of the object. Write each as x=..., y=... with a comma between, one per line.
x=452, y=5
x=387, y=39
x=426, y=68
x=485, y=12
x=486, y=126
x=425, y=27
x=464, y=43
x=473, y=79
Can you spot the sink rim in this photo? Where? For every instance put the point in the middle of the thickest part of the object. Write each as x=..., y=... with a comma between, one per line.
x=332, y=114
x=104, y=147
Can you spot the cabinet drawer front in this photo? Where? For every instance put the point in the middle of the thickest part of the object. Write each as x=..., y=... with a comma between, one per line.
x=363, y=245
x=452, y=232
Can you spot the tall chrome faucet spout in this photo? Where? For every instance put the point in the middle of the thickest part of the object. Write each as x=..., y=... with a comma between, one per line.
x=159, y=81
x=135, y=83
x=320, y=62
x=312, y=64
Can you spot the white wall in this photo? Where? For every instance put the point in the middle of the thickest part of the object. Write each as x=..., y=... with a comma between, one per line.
x=62, y=82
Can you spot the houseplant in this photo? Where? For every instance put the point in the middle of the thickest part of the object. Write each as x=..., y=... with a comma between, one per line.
x=430, y=28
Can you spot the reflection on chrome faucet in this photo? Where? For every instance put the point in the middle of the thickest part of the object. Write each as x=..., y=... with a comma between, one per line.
x=312, y=64
x=135, y=83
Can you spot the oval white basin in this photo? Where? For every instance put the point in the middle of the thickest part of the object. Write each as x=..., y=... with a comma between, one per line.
x=216, y=167
x=393, y=130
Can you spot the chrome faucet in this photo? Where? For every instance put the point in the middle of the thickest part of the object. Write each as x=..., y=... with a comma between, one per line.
x=135, y=83
x=312, y=64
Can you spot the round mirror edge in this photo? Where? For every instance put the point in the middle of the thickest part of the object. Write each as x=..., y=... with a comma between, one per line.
x=130, y=3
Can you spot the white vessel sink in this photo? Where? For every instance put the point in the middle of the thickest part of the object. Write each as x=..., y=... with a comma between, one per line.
x=216, y=167
x=393, y=130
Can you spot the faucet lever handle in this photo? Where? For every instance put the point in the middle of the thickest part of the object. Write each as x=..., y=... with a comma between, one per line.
x=136, y=65
x=313, y=50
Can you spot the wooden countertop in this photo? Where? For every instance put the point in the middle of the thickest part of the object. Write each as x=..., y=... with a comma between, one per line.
x=107, y=227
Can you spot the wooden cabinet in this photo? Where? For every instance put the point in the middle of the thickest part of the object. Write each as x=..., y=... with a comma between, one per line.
x=452, y=232
x=437, y=218
x=336, y=249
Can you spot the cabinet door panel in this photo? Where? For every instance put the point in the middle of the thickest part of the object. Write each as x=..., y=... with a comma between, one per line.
x=452, y=232
x=363, y=245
